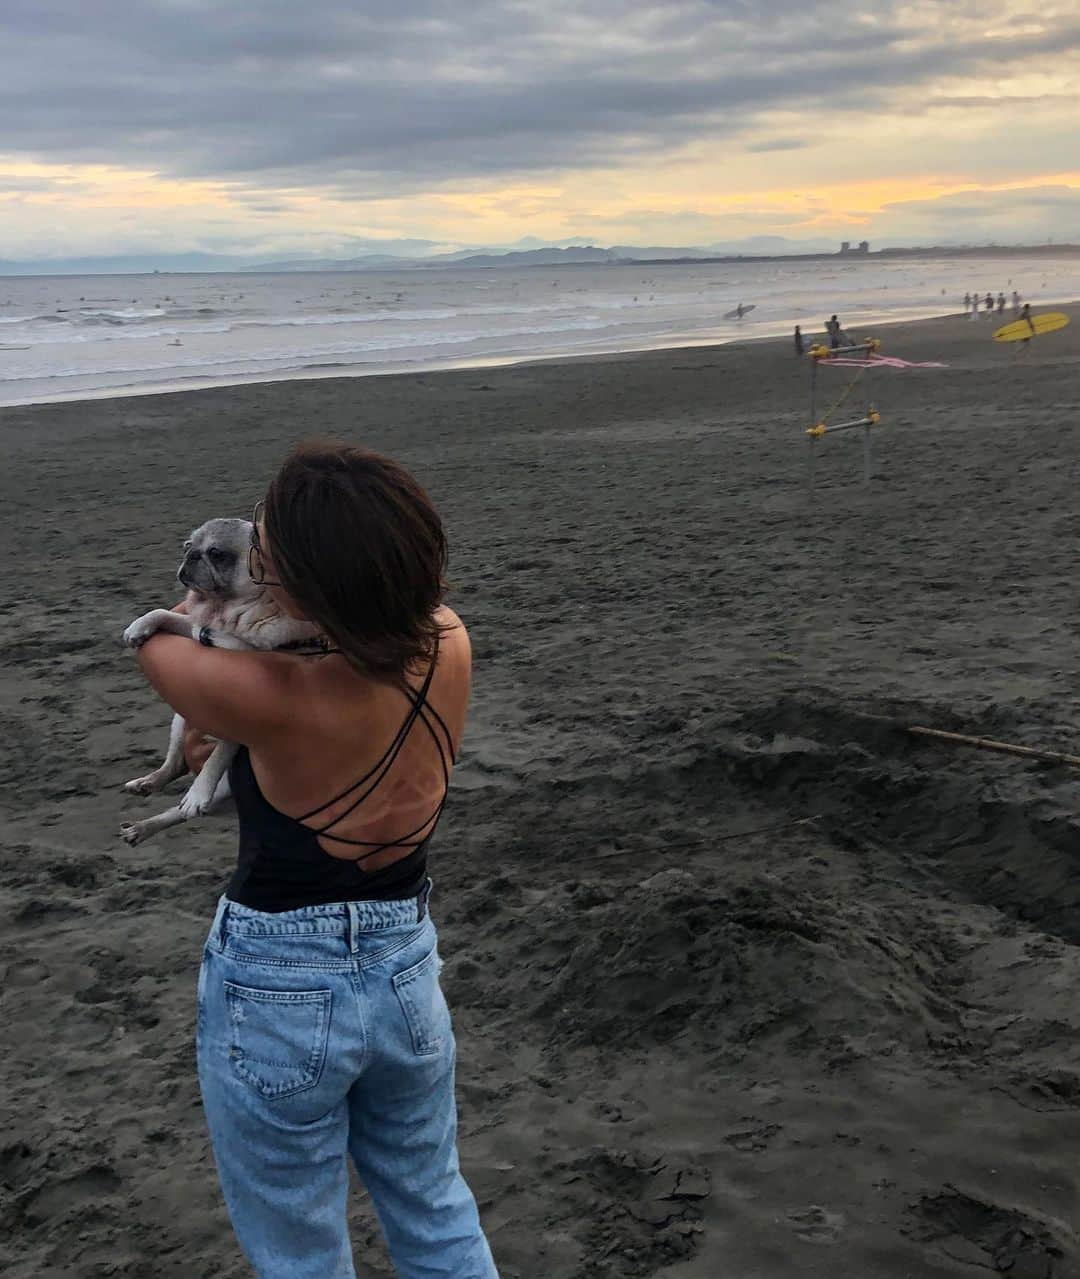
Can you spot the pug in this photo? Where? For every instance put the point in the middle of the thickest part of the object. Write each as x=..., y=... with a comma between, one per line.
x=225, y=609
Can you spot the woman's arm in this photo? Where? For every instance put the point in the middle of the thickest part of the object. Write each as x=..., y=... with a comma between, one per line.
x=240, y=697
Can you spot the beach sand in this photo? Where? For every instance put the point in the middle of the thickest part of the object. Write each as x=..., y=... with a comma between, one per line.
x=690, y=1044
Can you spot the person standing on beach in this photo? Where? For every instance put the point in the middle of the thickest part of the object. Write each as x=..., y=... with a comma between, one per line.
x=322, y=1028
x=989, y=304
x=833, y=327
x=1016, y=302
x=799, y=347
x=1001, y=304
x=967, y=303
x=1025, y=314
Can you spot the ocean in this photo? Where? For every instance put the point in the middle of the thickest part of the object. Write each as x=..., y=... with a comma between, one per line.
x=74, y=337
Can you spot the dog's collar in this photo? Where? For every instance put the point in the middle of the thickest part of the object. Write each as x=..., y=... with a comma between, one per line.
x=318, y=646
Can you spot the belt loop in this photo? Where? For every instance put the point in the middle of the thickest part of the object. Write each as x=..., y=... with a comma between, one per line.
x=217, y=929
x=422, y=901
x=354, y=927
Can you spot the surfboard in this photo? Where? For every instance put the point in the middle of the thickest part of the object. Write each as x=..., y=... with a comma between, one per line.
x=734, y=315
x=1021, y=330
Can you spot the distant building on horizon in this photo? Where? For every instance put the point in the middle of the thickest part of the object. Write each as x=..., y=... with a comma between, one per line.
x=847, y=251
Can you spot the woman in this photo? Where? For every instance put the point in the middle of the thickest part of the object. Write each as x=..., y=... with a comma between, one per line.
x=322, y=1030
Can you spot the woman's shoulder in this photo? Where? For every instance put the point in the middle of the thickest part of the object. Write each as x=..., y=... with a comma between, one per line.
x=453, y=635
x=455, y=650
x=307, y=681
x=450, y=621
x=327, y=697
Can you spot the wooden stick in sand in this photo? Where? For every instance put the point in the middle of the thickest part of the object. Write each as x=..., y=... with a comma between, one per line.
x=988, y=744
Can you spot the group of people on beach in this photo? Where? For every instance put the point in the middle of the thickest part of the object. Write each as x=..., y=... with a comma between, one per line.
x=973, y=303
x=835, y=334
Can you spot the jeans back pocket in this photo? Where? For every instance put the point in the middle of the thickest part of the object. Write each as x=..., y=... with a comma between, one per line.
x=423, y=1004
x=278, y=1041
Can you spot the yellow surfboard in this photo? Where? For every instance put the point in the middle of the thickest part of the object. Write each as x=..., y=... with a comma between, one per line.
x=1021, y=330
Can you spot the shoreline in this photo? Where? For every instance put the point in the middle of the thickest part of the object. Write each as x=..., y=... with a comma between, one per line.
x=352, y=371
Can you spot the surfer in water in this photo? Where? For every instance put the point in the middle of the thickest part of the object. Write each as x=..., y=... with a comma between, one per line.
x=739, y=311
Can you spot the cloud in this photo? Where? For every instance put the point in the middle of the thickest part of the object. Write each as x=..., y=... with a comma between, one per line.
x=778, y=144
x=375, y=98
x=998, y=102
x=271, y=124
x=984, y=215
x=16, y=185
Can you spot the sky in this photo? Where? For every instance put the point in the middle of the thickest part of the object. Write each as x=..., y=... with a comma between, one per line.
x=335, y=127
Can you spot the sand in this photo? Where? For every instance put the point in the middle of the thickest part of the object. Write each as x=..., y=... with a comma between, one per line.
x=696, y=1039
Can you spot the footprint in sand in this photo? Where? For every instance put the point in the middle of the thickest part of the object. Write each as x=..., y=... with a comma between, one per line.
x=756, y=1136
x=815, y=1224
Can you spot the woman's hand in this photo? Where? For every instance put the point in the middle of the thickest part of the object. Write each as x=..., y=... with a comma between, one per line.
x=197, y=748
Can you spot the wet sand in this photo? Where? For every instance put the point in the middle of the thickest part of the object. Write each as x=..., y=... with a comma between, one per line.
x=695, y=1037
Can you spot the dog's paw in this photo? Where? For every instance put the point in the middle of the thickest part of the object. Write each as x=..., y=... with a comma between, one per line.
x=136, y=635
x=142, y=785
x=194, y=804
x=140, y=630
x=131, y=832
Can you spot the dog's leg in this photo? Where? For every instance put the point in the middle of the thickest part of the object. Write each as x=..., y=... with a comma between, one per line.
x=159, y=619
x=203, y=791
x=173, y=766
x=138, y=832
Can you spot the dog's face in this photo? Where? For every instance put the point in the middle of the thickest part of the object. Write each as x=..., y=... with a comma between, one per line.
x=216, y=561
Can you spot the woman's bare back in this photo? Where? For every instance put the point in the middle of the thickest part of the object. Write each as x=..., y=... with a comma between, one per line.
x=341, y=725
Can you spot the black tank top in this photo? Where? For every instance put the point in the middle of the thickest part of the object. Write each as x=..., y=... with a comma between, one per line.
x=281, y=864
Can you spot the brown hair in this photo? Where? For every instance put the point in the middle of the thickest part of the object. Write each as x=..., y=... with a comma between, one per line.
x=359, y=546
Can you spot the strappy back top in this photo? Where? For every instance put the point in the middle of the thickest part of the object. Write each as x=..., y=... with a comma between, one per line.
x=281, y=864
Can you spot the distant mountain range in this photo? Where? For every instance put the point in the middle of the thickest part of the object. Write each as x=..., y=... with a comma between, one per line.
x=566, y=253
x=374, y=255
x=427, y=255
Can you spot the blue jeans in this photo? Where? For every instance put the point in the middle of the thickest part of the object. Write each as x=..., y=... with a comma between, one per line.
x=323, y=1033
